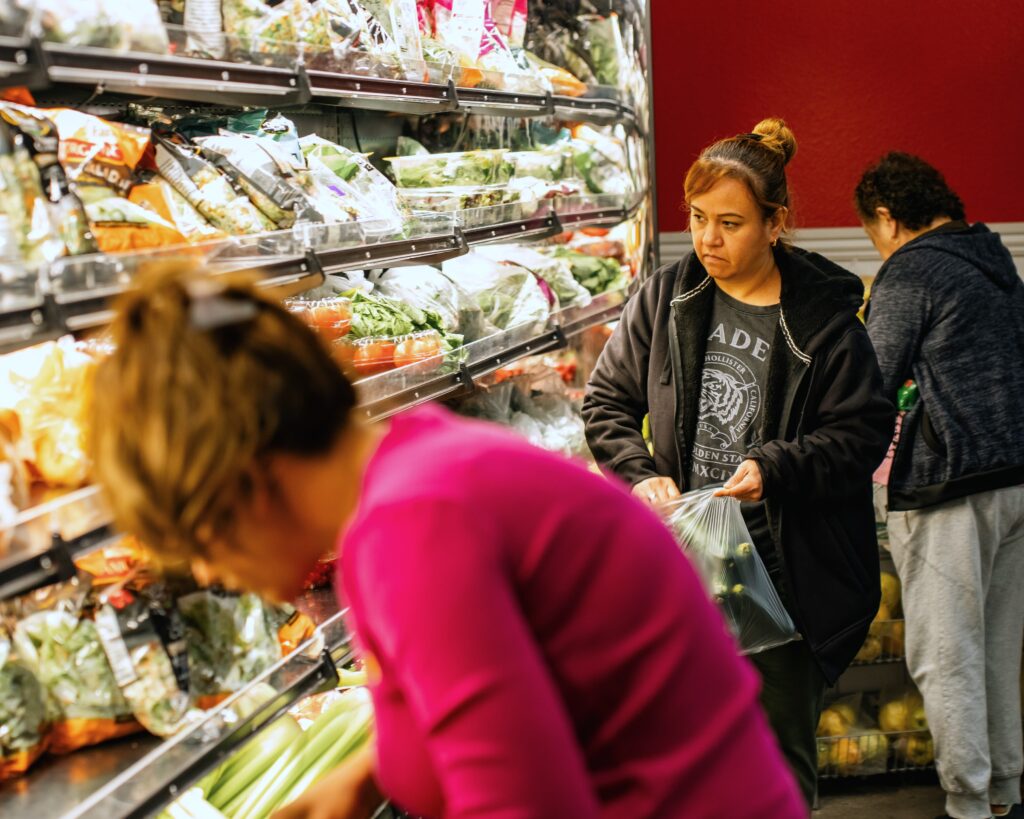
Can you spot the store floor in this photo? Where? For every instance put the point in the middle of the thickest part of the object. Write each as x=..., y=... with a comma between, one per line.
x=918, y=797
x=912, y=796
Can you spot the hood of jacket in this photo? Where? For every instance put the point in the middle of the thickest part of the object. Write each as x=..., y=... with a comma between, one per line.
x=817, y=294
x=976, y=245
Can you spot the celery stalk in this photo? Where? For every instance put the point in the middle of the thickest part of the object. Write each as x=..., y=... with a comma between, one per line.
x=353, y=734
x=242, y=806
x=257, y=757
x=319, y=739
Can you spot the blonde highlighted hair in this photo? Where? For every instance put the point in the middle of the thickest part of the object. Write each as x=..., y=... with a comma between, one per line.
x=757, y=159
x=206, y=375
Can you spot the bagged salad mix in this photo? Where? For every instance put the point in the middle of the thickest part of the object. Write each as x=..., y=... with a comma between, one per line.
x=143, y=636
x=110, y=24
x=231, y=640
x=427, y=288
x=360, y=186
x=24, y=717
x=508, y=294
x=46, y=215
x=556, y=271
x=56, y=640
x=208, y=190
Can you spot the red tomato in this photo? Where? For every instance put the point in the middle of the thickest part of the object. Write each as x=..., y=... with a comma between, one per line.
x=374, y=356
x=423, y=347
x=331, y=319
x=595, y=231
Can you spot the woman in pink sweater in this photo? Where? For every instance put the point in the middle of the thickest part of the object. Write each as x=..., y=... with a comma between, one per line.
x=538, y=645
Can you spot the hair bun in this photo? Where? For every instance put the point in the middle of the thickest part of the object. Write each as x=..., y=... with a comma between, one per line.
x=775, y=134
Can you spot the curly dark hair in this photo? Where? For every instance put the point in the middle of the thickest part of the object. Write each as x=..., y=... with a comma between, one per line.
x=915, y=193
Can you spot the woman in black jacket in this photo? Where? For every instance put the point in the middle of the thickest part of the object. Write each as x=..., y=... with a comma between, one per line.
x=755, y=371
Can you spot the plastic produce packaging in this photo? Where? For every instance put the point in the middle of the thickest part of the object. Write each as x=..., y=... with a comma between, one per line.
x=595, y=274
x=427, y=288
x=209, y=191
x=712, y=532
x=256, y=32
x=159, y=196
x=550, y=164
x=469, y=168
x=361, y=186
x=459, y=198
x=562, y=81
x=266, y=175
x=508, y=294
x=24, y=735
x=63, y=651
x=100, y=158
x=52, y=413
x=345, y=36
x=144, y=641
x=231, y=639
x=606, y=53
x=48, y=219
x=373, y=355
x=331, y=318
x=555, y=271
x=118, y=26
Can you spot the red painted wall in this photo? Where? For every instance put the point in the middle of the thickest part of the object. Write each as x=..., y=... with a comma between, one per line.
x=942, y=79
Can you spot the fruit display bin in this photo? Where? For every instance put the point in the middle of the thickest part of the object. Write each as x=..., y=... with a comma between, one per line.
x=871, y=752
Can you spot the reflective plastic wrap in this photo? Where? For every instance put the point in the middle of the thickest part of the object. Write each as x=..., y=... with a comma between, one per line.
x=712, y=533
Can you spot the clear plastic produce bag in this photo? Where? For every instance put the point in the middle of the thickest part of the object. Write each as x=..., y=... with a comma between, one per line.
x=713, y=534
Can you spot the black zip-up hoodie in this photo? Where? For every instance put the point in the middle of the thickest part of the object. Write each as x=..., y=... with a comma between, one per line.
x=825, y=421
x=947, y=310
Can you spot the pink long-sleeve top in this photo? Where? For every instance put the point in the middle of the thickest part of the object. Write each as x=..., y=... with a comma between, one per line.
x=544, y=649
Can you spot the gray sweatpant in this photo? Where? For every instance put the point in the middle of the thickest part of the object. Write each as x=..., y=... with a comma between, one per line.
x=962, y=568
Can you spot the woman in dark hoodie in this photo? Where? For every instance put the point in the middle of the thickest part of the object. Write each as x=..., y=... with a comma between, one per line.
x=755, y=371
x=947, y=311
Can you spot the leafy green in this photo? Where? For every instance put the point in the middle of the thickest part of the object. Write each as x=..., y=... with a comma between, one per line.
x=597, y=275
x=67, y=657
x=23, y=715
x=231, y=640
x=441, y=170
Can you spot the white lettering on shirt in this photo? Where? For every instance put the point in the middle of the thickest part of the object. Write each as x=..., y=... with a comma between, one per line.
x=761, y=348
x=719, y=334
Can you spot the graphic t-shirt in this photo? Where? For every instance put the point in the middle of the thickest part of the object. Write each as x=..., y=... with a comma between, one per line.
x=732, y=388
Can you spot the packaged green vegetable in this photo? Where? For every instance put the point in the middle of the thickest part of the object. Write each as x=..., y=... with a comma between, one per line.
x=47, y=216
x=256, y=32
x=118, y=26
x=63, y=650
x=508, y=294
x=597, y=275
x=266, y=174
x=439, y=170
x=555, y=271
x=231, y=640
x=23, y=715
x=144, y=640
x=363, y=188
x=209, y=191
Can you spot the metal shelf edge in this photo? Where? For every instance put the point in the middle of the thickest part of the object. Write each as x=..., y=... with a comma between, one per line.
x=321, y=675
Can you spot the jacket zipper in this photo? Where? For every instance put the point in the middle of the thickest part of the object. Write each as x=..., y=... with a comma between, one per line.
x=677, y=386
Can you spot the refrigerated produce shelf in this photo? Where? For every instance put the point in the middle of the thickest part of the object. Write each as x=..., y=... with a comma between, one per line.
x=74, y=294
x=172, y=77
x=383, y=395
x=25, y=61
x=138, y=776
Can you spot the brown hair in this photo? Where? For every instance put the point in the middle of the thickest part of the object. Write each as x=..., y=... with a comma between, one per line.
x=757, y=159
x=206, y=375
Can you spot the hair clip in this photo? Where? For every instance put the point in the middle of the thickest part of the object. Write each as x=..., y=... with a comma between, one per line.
x=210, y=308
